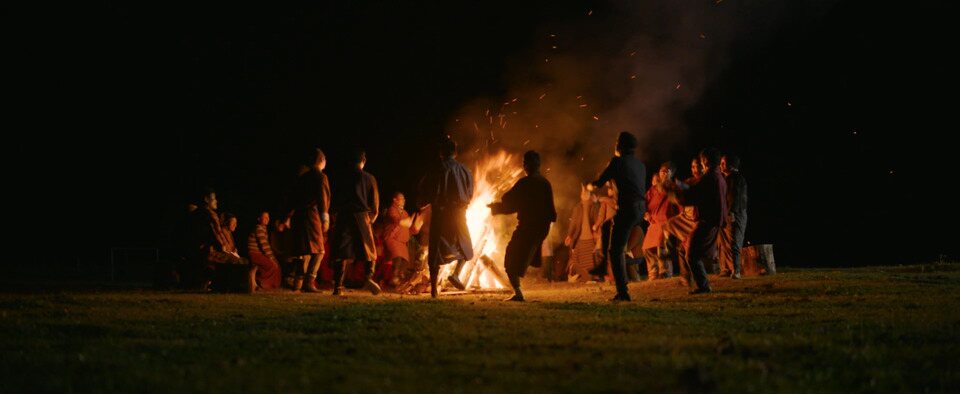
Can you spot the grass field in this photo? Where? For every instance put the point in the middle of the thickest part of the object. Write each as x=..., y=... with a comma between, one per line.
x=865, y=330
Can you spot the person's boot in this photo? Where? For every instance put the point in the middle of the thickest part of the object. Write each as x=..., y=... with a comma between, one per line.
x=621, y=297
x=454, y=278
x=337, y=277
x=735, y=275
x=297, y=284
x=313, y=265
x=310, y=284
x=370, y=284
x=517, y=292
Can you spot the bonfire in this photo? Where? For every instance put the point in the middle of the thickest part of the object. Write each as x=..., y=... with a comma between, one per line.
x=493, y=175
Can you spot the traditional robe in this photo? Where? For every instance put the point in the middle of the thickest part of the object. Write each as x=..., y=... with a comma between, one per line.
x=583, y=237
x=531, y=198
x=660, y=210
x=356, y=201
x=261, y=255
x=709, y=196
x=448, y=188
x=310, y=204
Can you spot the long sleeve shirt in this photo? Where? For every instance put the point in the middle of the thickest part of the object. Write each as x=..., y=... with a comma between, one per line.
x=737, y=194
x=630, y=176
x=531, y=198
x=259, y=242
x=709, y=196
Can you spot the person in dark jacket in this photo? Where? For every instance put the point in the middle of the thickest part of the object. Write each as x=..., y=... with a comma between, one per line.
x=531, y=198
x=448, y=189
x=355, y=205
x=709, y=196
x=733, y=232
x=308, y=217
x=630, y=176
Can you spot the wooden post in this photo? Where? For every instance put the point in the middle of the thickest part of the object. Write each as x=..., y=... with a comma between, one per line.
x=758, y=260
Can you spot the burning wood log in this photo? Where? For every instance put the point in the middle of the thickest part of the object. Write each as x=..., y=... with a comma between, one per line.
x=498, y=273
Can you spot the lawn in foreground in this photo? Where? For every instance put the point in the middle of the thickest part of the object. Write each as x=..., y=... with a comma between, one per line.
x=871, y=329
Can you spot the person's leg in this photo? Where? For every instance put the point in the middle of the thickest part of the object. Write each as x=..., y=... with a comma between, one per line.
x=454, y=278
x=434, y=278
x=370, y=284
x=517, y=291
x=338, y=272
x=736, y=246
x=666, y=255
x=724, y=250
x=618, y=241
x=301, y=273
x=603, y=257
x=683, y=257
x=252, y=279
x=310, y=279
x=522, y=251
x=653, y=263
x=700, y=244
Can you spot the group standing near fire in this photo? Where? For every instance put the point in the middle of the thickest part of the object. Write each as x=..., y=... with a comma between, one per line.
x=328, y=230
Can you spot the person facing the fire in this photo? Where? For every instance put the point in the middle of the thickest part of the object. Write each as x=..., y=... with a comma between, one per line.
x=396, y=230
x=630, y=176
x=709, y=196
x=603, y=225
x=355, y=205
x=308, y=217
x=659, y=210
x=581, y=236
x=531, y=198
x=448, y=189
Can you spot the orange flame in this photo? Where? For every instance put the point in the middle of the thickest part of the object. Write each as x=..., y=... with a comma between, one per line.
x=493, y=176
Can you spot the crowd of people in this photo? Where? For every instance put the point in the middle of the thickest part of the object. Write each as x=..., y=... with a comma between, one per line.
x=333, y=231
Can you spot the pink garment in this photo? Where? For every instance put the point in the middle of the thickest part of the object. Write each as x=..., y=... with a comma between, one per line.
x=658, y=206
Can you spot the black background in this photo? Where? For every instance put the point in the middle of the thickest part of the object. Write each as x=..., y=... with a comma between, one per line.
x=119, y=113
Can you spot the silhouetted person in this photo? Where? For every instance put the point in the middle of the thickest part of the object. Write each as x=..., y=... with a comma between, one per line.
x=308, y=218
x=709, y=196
x=630, y=176
x=531, y=198
x=356, y=202
x=737, y=220
x=448, y=189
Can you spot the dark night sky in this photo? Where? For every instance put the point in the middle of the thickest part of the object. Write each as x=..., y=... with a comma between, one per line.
x=840, y=109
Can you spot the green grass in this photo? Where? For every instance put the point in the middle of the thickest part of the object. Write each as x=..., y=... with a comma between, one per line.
x=870, y=330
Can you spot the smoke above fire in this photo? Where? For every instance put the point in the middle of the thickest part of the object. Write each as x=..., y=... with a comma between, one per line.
x=611, y=67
